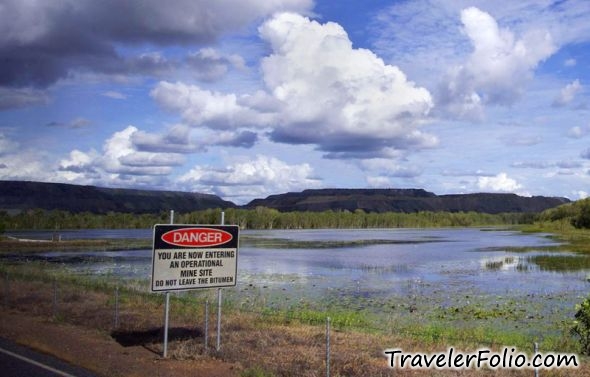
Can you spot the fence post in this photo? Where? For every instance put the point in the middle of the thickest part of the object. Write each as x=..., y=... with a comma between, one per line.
x=116, y=324
x=536, y=352
x=218, y=346
x=328, y=347
x=54, y=306
x=206, y=323
x=6, y=289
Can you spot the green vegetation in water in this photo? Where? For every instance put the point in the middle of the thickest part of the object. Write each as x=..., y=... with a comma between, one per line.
x=555, y=262
x=283, y=243
x=569, y=223
x=508, y=310
x=468, y=325
x=495, y=265
x=434, y=317
x=469, y=321
x=561, y=263
x=522, y=249
x=8, y=245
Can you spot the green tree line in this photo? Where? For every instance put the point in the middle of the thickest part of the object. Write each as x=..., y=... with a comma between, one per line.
x=576, y=214
x=258, y=218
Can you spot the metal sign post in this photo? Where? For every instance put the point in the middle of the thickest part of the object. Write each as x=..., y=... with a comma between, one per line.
x=167, y=306
x=218, y=346
x=189, y=257
x=166, y=316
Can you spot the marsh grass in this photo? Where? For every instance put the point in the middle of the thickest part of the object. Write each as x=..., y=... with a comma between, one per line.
x=8, y=245
x=264, y=341
x=560, y=262
x=494, y=265
x=574, y=243
x=572, y=239
x=285, y=243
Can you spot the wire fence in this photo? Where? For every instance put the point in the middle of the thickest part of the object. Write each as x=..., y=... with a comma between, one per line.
x=133, y=316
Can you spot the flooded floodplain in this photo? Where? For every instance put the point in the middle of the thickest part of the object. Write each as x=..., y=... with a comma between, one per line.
x=461, y=276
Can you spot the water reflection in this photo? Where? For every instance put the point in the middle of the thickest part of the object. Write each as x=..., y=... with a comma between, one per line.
x=560, y=262
x=500, y=263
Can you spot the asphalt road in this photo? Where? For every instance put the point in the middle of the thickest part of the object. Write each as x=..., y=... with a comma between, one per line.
x=19, y=361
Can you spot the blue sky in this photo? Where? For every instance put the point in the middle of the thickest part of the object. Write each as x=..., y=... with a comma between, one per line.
x=285, y=95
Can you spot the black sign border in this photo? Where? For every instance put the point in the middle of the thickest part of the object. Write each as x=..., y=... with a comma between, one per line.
x=160, y=229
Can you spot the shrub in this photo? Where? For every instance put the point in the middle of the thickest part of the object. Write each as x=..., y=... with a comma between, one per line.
x=3, y=221
x=581, y=326
x=582, y=220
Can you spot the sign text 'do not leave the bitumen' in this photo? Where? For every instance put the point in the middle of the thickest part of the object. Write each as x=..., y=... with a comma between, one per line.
x=194, y=256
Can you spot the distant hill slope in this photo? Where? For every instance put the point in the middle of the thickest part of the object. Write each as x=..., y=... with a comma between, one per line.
x=23, y=195
x=404, y=200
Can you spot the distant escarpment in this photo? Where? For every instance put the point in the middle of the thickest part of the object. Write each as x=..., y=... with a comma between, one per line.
x=404, y=200
x=17, y=196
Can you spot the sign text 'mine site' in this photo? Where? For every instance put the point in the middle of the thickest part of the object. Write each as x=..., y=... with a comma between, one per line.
x=194, y=256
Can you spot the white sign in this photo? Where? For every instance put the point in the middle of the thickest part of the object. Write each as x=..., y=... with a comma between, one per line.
x=194, y=256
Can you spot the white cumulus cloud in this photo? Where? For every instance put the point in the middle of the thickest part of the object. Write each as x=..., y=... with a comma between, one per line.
x=20, y=162
x=119, y=163
x=319, y=90
x=121, y=157
x=200, y=107
x=498, y=68
x=346, y=101
x=259, y=177
x=499, y=183
x=568, y=93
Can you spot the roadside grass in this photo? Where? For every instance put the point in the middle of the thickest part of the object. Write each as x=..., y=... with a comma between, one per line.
x=267, y=342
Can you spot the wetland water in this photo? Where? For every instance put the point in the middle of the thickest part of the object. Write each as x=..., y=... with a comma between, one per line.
x=454, y=274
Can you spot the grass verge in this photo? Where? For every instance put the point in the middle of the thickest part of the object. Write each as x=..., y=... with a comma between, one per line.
x=289, y=342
